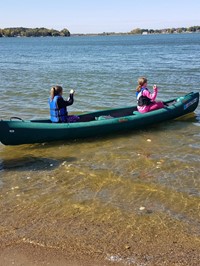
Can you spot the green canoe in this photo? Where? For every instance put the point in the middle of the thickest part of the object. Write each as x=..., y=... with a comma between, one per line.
x=99, y=123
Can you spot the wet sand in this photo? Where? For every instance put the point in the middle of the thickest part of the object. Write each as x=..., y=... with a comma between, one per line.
x=31, y=255
x=100, y=243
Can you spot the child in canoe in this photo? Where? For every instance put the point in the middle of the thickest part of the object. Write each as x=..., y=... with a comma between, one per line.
x=145, y=99
x=58, y=106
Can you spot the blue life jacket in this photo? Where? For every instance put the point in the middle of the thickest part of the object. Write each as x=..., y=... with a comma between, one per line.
x=142, y=100
x=56, y=114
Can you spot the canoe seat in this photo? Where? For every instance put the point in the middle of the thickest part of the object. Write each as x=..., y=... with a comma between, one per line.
x=102, y=117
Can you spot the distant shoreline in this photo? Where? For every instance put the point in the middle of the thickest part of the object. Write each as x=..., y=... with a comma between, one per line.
x=44, y=32
x=124, y=34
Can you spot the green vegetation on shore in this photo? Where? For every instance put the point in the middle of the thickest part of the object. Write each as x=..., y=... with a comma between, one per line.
x=33, y=32
x=44, y=32
x=167, y=30
x=146, y=31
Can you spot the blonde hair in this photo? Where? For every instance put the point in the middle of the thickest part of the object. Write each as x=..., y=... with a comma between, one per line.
x=141, y=82
x=55, y=90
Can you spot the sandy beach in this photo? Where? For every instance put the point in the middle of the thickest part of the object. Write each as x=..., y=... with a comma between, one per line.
x=30, y=255
x=99, y=243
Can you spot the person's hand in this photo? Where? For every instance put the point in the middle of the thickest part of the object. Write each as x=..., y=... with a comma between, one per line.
x=72, y=91
x=155, y=87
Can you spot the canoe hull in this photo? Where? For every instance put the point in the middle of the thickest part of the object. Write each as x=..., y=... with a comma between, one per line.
x=93, y=124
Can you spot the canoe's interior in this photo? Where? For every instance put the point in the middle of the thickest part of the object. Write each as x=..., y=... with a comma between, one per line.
x=110, y=113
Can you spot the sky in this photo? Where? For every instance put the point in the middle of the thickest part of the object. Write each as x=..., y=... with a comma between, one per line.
x=97, y=16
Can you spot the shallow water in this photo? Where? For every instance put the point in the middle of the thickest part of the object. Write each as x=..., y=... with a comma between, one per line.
x=138, y=184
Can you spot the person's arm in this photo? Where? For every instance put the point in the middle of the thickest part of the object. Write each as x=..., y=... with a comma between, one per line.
x=150, y=95
x=63, y=103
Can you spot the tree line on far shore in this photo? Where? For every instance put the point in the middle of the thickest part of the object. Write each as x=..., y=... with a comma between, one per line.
x=33, y=32
x=44, y=32
x=167, y=30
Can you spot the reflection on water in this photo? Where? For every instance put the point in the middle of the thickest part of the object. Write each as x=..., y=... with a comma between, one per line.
x=124, y=187
x=35, y=164
x=32, y=163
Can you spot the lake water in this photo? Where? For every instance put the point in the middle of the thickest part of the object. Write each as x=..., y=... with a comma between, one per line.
x=139, y=185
